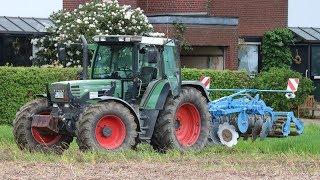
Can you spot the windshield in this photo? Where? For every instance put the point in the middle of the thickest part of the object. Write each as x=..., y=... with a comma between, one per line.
x=113, y=62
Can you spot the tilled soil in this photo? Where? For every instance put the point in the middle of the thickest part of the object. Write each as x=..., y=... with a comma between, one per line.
x=184, y=169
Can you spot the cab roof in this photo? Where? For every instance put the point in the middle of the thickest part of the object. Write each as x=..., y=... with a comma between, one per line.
x=131, y=38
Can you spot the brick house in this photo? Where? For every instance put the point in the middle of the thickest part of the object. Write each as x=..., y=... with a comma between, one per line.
x=224, y=34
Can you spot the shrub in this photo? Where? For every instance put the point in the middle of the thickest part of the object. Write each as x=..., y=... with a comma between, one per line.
x=98, y=17
x=277, y=78
x=18, y=85
x=275, y=48
x=220, y=79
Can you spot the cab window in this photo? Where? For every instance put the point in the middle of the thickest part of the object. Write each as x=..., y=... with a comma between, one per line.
x=113, y=61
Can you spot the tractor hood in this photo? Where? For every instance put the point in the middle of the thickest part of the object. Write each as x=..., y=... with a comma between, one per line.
x=65, y=90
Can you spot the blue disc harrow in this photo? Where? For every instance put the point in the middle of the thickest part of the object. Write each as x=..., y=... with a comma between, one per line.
x=245, y=114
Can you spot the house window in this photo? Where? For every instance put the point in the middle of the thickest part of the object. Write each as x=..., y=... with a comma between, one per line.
x=203, y=58
x=248, y=55
x=203, y=62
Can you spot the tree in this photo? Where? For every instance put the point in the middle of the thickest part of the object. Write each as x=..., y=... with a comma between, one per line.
x=94, y=18
x=276, y=49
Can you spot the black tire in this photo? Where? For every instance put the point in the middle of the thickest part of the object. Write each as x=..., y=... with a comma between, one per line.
x=87, y=127
x=22, y=130
x=165, y=138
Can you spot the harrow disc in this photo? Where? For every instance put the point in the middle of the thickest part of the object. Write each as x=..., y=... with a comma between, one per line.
x=257, y=128
x=214, y=138
x=251, y=119
x=243, y=122
x=266, y=127
x=228, y=135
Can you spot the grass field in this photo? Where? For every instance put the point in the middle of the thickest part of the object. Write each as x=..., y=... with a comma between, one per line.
x=306, y=145
x=300, y=155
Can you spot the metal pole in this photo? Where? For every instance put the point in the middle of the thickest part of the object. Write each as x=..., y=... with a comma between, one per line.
x=251, y=90
x=85, y=57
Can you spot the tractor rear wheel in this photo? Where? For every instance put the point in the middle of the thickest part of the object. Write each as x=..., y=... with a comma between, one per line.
x=106, y=126
x=183, y=123
x=31, y=138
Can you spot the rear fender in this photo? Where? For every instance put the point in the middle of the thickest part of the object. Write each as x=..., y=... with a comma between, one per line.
x=47, y=95
x=199, y=86
x=155, y=95
x=152, y=102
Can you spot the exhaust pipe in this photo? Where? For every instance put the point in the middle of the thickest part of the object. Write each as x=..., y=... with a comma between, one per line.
x=85, y=57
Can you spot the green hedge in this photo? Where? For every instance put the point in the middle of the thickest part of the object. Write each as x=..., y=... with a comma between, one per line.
x=18, y=85
x=220, y=79
x=277, y=78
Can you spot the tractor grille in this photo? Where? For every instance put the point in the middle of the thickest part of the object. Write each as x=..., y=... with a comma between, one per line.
x=75, y=90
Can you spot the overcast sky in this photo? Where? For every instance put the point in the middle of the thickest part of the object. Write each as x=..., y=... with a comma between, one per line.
x=301, y=12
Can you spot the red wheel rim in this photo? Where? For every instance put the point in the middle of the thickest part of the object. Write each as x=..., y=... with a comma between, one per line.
x=187, y=124
x=110, y=132
x=42, y=138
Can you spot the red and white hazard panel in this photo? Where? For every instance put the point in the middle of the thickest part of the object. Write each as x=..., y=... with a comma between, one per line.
x=205, y=81
x=293, y=84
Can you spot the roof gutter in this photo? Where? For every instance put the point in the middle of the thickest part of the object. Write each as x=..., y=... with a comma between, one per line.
x=193, y=20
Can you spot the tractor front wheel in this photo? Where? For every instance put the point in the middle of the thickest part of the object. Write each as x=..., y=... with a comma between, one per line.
x=31, y=138
x=106, y=126
x=183, y=123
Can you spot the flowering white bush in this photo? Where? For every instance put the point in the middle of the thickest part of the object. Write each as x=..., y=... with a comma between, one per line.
x=94, y=18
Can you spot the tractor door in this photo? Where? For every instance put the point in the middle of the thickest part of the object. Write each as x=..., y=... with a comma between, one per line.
x=148, y=66
x=171, y=59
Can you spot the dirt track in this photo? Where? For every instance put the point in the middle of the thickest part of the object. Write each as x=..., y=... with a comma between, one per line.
x=168, y=170
x=312, y=121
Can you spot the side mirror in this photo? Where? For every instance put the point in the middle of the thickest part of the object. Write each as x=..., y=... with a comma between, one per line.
x=80, y=74
x=153, y=57
x=62, y=53
x=142, y=51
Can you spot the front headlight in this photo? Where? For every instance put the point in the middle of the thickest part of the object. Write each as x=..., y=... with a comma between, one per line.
x=59, y=94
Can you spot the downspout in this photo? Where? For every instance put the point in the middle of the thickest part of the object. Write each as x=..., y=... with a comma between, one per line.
x=308, y=62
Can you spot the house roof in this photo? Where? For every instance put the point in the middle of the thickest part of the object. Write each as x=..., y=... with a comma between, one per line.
x=24, y=25
x=306, y=33
x=31, y=25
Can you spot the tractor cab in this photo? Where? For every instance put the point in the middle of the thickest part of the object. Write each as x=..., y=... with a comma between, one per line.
x=134, y=62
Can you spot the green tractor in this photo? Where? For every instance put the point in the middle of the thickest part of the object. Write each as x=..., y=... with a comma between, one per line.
x=134, y=94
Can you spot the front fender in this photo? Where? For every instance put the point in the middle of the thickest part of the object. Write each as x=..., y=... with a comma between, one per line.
x=126, y=104
x=41, y=95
